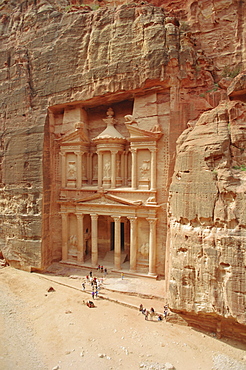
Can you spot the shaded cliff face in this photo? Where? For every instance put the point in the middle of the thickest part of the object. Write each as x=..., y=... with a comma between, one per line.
x=207, y=215
x=52, y=56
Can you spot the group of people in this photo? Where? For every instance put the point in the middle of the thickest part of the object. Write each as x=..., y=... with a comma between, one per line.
x=103, y=270
x=151, y=313
x=94, y=282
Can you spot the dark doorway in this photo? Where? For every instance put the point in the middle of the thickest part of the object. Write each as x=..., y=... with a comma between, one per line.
x=122, y=235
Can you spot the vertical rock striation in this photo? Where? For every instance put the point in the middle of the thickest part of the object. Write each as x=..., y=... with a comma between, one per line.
x=208, y=219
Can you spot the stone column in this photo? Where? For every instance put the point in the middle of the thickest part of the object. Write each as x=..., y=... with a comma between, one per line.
x=152, y=245
x=100, y=169
x=64, y=236
x=113, y=171
x=63, y=170
x=79, y=170
x=134, y=168
x=80, y=237
x=126, y=169
x=117, y=246
x=133, y=243
x=153, y=170
x=89, y=168
x=122, y=168
x=94, y=236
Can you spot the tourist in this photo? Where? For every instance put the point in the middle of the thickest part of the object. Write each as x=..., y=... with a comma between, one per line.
x=152, y=313
x=92, y=294
x=90, y=273
x=101, y=269
x=105, y=272
x=98, y=267
x=166, y=313
x=141, y=308
x=146, y=315
x=87, y=278
x=122, y=276
x=160, y=318
x=83, y=286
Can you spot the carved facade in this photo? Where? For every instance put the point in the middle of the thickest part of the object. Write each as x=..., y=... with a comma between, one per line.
x=106, y=187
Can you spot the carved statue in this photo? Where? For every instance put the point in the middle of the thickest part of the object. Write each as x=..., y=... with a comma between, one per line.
x=107, y=168
x=95, y=171
x=150, y=200
x=118, y=168
x=156, y=128
x=71, y=171
x=144, y=250
x=130, y=120
x=73, y=241
x=144, y=169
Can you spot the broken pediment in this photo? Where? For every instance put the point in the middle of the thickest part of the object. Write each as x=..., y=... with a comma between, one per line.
x=137, y=134
x=76, y=136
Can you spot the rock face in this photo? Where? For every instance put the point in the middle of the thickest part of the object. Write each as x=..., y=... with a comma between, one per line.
x=167, y=64
x=207, y=217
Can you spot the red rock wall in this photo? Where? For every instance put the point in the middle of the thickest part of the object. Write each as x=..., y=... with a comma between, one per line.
x=207, y=217
x=53, y=55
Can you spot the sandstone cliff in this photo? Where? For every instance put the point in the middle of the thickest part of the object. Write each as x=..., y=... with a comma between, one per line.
x=207, y=216
x=58, y=52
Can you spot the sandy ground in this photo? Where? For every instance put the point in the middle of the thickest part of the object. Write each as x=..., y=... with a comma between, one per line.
x=41, y=330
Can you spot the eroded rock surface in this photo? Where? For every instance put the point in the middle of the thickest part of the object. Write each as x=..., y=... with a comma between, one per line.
x=207, y=218
x=186, y=53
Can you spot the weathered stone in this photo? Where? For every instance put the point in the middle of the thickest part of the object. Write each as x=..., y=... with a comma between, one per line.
x=207, y=218
x=61, y=69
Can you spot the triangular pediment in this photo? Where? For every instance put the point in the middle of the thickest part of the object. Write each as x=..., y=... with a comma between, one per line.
x=144, y=135
x=108, y=199
x=76, y=136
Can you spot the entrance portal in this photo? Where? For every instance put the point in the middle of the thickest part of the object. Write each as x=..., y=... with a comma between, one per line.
x=122, y=235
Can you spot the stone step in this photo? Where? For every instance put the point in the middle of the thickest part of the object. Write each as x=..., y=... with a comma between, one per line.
x=109, y=257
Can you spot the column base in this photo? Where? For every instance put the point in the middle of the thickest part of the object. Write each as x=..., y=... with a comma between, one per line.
x=151, y=273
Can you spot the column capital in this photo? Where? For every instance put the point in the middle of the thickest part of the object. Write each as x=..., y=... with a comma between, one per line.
x=116, y=218
x=152, y=220
x=133, y=150
x=94, y=216
x=132, y=218
x=81, y=215
x=153, y=150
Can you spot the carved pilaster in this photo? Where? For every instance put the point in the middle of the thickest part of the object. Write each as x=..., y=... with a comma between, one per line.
x=80, y=238
x=63, y=171
x=94, y=236
x=100, y=169
x=152, y=245
x=133, y=243
x=153, y=169
x=117, y=246
x=64, y=236
x=134, y=168
x=113, y=171
x=79, y=169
